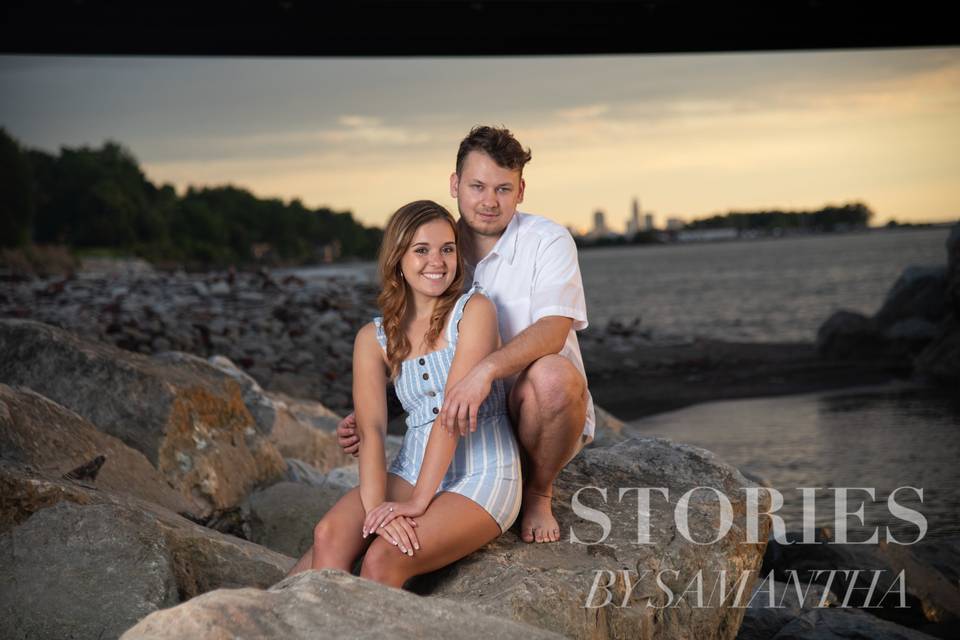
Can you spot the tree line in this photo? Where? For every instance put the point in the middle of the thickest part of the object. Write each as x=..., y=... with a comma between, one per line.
x=87, y=199
x=830, y=218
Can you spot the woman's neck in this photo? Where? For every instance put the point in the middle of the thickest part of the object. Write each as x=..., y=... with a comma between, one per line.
x=422, y=307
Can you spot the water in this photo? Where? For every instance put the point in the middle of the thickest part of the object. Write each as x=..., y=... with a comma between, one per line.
x=776, y=290
x=881, y=438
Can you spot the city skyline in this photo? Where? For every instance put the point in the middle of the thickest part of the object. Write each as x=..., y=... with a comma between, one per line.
x=691, y=135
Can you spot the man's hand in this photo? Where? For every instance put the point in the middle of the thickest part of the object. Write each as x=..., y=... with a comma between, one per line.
x=347, y=435
x=462, y=401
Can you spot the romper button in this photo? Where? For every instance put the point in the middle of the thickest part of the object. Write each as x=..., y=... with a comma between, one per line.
x=436, y=411
x=426, y=376
x=422, y=361
x=431, y=394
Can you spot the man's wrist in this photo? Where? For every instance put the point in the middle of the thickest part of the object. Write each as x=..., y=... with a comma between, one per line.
x=488, y=368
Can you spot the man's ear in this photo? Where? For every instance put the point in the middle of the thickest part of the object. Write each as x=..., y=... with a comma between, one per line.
x=454, y=184
x=523, y=185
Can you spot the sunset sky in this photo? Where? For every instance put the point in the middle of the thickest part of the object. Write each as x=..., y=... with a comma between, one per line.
x=689, y=135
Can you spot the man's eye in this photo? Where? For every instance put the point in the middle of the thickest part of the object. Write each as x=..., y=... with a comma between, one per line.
x=503, y=189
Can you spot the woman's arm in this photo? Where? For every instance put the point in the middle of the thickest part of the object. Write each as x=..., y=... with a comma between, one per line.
x=370, y=402
x=478, y=337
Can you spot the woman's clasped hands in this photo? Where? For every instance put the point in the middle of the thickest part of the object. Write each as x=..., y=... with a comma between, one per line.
x=394, y=521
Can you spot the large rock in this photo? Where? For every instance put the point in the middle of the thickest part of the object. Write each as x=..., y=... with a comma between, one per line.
x=919, y=292
x=848, y=334
x=299, y=428
x=609, y=429
x=930, y=569
x=774, y=604
x=37, y=431
x=325, y=604
x=83, y=572
x=92, y=570
x=845, y=624
x=282, y=516
x=191, y=425
x=940, y=360
x=549, y=585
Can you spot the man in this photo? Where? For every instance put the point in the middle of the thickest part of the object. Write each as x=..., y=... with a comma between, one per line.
x=528, y=266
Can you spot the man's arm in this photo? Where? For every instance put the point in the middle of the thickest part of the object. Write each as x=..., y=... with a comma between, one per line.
x=544, y=337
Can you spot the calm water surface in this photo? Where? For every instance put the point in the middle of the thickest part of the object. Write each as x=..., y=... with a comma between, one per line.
x=883, y=439
x=757, y=291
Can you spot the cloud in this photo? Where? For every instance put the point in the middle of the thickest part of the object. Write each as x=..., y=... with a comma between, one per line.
x=584, y=113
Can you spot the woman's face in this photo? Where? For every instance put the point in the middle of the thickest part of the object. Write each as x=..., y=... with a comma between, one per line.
x=429, y=264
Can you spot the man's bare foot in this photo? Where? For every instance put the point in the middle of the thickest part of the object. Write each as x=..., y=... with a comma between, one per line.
x=537, y=522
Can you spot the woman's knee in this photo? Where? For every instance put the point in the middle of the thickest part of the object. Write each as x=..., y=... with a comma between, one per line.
x=384, y=563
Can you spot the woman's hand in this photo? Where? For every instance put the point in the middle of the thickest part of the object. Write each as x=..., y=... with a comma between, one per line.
x=401, y=533
x=387, y=512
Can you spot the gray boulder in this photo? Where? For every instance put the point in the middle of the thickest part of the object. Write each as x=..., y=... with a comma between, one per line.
x=324, y=604
x=82, y=572
x=192, y=426
x=92, y=570
x=37, y=431
x=930, y=567
x=939, y=362
x=549, y=585
x=919, y=292
x=764, y=618
x=282, y=516
x=848, y=334
x=845, y=624
x=298, y=428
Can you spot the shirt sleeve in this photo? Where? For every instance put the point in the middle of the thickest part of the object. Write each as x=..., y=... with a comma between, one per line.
x=557, y=286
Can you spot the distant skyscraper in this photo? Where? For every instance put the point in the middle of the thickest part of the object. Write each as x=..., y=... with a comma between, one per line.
x=599, y=224
x=648, y=222
x=633, y=224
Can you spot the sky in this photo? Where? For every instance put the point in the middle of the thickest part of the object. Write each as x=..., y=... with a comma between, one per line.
x=689, y=135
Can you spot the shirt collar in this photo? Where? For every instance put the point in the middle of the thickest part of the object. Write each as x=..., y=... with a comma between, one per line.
x=506, y=246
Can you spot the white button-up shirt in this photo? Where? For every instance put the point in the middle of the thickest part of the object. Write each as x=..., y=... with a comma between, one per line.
x=532, y=272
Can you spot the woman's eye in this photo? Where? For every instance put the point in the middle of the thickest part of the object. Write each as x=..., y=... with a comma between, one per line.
x=420, y=250
x=448, y=250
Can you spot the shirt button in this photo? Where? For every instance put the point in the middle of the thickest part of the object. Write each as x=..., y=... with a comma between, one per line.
x=436, y=411
x=426, y=376
x=422, y=361
x=431, y=394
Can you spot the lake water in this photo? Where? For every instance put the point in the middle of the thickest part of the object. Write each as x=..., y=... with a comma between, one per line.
x=757, y=291
x=882, y=438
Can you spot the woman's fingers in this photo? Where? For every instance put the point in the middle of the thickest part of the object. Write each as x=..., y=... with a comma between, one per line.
x=404, y=524
x=401, y=537
x=463, y=419
x=473, y=418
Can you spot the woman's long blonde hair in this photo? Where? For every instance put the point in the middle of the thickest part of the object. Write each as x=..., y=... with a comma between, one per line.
x=394, y=298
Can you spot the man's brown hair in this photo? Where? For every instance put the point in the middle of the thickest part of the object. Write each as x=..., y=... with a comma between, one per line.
x=496, y=142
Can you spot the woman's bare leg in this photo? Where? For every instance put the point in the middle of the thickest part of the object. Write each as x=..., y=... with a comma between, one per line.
x=337, y=538
x=452, y=527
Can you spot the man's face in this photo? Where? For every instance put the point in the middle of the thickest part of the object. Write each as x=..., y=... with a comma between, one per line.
x=487, y=194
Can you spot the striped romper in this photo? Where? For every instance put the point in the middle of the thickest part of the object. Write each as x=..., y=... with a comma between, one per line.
x=486, y=464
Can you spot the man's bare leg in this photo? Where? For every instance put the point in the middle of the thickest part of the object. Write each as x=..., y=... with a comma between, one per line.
x=548, y=405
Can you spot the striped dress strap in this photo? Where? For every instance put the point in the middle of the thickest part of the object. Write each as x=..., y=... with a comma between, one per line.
x=453, y=329
x=381, y=334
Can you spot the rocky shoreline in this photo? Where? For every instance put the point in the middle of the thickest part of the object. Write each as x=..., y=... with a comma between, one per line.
x=295, y=336
x=161, y=467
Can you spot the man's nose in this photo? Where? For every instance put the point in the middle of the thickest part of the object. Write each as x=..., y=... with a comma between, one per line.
x=489, y=199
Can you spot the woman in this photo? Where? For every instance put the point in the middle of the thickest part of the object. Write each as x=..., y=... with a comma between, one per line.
x=444, y=495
